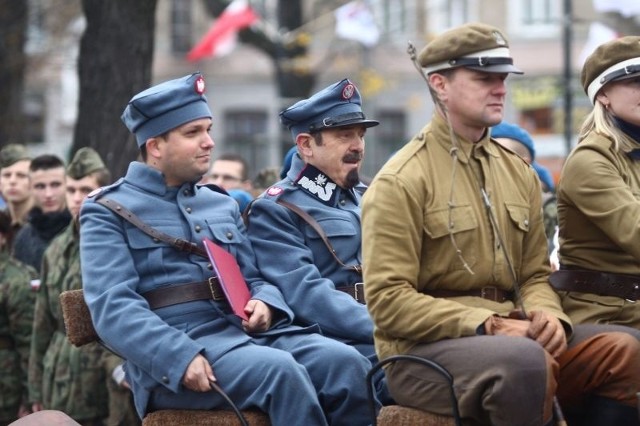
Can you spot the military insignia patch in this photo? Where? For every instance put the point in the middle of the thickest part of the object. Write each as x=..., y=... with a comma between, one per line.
x=274, y=190
x=199, y=85
x=316, y=183
x=348, y=91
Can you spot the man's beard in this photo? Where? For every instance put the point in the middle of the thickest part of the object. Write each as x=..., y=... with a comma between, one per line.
x=352, y=179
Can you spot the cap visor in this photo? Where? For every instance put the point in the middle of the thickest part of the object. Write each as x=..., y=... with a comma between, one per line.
x=505, y=68
x=365, y=123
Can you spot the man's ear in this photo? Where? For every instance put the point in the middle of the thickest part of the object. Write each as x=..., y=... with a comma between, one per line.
x=438, y=83
x=153, y=147
x=304, y=141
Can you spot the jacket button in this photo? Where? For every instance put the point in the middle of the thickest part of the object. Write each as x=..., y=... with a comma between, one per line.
x=230, y=235
x=188, y=209
x=165, y=380
x=198, y=228
x=526, y=222
x=209, y=266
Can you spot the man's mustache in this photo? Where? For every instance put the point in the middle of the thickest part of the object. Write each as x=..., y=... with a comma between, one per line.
x=352, y=157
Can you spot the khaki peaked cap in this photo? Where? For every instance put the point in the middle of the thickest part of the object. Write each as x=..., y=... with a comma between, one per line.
x=617, y=59
x=477, y=46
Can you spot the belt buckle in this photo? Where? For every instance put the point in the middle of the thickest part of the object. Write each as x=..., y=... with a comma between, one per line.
x=636, y=288
x=214, y=288
x=489, y=293
x=358, y=289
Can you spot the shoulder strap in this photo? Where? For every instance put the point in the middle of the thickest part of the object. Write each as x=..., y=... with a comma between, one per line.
x=316, y=227
x=178, y=243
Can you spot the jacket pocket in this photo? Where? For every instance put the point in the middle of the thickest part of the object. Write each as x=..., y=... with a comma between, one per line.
x=461, y=218
x=519, y=215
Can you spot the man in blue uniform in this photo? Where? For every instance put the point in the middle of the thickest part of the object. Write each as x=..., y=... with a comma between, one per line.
x=305, y=229
x=153, y=300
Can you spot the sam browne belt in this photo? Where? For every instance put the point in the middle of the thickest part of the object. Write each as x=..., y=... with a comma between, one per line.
x=489, y=293
x=182, y=293
x=355, y=290
x=601, y=283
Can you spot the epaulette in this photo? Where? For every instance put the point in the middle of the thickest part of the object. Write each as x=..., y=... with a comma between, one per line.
x=509, y=150
x=99, y=192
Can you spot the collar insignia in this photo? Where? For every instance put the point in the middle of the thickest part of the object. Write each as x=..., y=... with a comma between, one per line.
x=317, y=184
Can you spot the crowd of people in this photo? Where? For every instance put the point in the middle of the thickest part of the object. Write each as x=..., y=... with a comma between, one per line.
x=444, y=256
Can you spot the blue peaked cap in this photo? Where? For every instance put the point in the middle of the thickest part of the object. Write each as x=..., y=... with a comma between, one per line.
x=166, y=106
x=337, y=105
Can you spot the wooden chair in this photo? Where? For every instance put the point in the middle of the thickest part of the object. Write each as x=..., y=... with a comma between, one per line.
x=80, y=331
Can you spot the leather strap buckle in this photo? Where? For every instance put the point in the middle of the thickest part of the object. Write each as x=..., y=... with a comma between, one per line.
x=492, y=293
x=358, y=292
x=214, y=287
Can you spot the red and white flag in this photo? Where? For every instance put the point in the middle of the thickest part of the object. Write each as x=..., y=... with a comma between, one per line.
x=222, y=36
x=355, y=21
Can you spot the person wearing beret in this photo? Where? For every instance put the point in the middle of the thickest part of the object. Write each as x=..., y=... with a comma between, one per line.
x=321, y=274
x=159, y=305
x=599, y=194
x=15, y=187
x=456, y=268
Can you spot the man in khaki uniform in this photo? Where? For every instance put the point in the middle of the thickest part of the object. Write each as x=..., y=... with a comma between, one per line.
x=450, y=224
x=598, y=196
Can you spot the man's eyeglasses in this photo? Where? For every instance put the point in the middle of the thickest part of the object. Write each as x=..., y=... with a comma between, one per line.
x=227, y=178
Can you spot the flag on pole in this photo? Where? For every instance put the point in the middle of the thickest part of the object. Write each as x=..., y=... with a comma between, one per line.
x=354, y=21
x=222, y=36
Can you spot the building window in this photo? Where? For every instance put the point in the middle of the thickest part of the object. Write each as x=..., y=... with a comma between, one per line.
x=245, y=133
x=535, y=18
x=181, y=26
x=445, y=14
x=384, y=140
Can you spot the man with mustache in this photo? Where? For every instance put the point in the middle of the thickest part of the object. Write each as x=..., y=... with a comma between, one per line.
x=305, y=229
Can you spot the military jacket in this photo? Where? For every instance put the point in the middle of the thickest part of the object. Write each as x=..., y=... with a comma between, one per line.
x=598, y=208
x=291, y=254
x=16, y=320
x=62, y=376
x=120, y=263
x=422, y=206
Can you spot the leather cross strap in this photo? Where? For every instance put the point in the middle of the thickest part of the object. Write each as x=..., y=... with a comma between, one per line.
x=179, y=243
x=601, y=283
x=489, y=293
x=182, y=293
x=316, y=227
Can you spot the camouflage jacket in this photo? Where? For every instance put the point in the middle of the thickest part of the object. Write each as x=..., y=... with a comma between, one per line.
x=62, y=376
x=16, y=318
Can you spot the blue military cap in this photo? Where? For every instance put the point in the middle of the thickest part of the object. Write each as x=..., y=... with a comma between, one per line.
x=166, y=106
x=337, y=105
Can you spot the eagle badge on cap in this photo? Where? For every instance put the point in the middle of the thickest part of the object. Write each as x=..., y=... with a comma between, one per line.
x=199, y=85
x=499, y=39
x=348, y=91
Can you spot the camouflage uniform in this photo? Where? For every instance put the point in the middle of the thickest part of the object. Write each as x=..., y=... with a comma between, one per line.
x=16, y=317
x=62, y=376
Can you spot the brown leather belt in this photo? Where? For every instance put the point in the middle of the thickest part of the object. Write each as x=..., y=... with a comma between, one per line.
x=601, y=283
x=490, y=293
x=6, y=342
x=182, y=293
x=354, y=290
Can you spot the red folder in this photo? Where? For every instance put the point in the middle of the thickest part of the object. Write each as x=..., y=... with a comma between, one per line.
x=230, y=277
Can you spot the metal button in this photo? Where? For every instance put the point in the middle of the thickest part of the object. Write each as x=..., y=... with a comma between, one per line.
x=186, y=192
x=209, y=266
x=165, y=379
x=188, y=209
x=526, y=222
x=342, y=202
x=230, y=235
x=198, y=228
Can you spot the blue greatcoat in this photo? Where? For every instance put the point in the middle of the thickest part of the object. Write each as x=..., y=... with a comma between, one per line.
x=292, y=254
x=120, y=263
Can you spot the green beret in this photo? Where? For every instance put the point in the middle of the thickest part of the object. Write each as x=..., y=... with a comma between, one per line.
x=477, y=46
x=85, y=162
x=615, y=60
x=13, y=153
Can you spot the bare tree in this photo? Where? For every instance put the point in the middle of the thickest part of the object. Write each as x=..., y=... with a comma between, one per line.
x=13, y=24
x=116, y=53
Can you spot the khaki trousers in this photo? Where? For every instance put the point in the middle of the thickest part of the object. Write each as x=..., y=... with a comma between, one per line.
x=510, y=381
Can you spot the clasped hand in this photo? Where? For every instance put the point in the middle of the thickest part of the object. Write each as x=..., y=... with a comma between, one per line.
x=539, y=326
